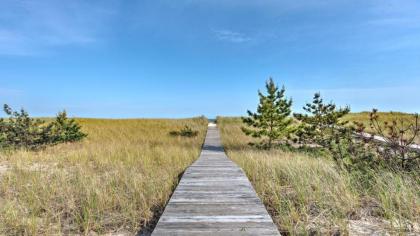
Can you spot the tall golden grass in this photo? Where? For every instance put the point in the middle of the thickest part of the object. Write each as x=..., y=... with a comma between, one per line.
x=306, y=194
x=113, y=181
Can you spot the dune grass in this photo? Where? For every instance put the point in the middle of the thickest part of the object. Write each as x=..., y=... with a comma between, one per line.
x=114, y=181
x=306, y=193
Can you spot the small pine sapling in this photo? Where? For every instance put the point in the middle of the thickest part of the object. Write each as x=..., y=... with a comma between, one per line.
x=66, y=130
x=323, y=126
x=272, y=120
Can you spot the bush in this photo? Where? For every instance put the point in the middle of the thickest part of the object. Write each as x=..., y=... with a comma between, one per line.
x=324, y=128
x=353, y=149
x=184, y=132
x=19, y=130
x=320, y=124
x=398, y=139
x=66, y=130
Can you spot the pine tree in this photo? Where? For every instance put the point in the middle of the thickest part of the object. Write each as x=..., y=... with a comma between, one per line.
x=322, y=122
x=323, y=125
x=272, y=120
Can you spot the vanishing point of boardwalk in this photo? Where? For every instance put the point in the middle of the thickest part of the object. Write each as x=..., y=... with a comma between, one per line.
x=214, y=197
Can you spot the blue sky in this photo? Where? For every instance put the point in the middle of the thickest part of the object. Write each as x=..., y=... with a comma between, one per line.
x=166, y=58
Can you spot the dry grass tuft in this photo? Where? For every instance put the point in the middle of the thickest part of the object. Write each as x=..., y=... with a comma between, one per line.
x=113, y=181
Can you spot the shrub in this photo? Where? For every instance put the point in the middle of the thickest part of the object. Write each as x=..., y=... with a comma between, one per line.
x=323, y=127
x=398, y=139
x=19, y=130
x=320, y=124
x=353, y=149
x=184, y=132
x=66, y=130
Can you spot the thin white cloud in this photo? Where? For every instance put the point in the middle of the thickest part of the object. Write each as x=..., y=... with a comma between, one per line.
x=32, y=27
x=395, y=7
x=231, y=36
x=394, y=13
x=354, y=90
x=7, y=92
x=405, y=22
x=277, y=5
x=11, y=43
x=397, y=98
x=409, y=42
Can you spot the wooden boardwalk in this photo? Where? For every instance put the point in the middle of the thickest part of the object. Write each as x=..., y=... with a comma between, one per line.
x=214, y=197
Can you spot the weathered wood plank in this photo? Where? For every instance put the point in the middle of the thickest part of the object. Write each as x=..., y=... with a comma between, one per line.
x=214, y=197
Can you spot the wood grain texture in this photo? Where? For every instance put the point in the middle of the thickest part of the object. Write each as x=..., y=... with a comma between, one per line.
x=214, y=197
